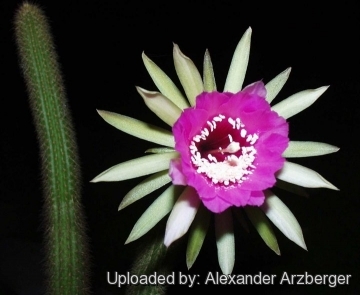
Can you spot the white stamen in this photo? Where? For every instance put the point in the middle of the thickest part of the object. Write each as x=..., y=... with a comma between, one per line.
x=254, y=139
x=210, y=125
x=248, y=138
x=237, y=123
x=230, y=138
x=212, y=158
x=193, y=147
x=243, y=133
x=206, y=131
x=222, y=116
x=217, y=119
x=232, y=122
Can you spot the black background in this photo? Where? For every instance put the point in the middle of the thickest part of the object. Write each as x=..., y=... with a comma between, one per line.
x=99, y=44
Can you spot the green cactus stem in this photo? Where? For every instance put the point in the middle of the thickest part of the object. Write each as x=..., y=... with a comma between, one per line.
x=153, y=258
x=67, y=254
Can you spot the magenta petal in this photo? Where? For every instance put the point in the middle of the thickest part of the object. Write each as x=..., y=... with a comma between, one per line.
x=223, y=164
x=257, y=198
x=217, y=100
x=235, y=196
x=176, y=174
x=272, y=142
x=216, y=205
x=191, y=121
x=256, y=88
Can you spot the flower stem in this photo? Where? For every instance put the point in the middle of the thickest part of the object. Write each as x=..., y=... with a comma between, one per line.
x=67, y=254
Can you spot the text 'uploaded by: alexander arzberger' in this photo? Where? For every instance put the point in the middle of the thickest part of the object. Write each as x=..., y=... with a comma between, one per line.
x=216, y=278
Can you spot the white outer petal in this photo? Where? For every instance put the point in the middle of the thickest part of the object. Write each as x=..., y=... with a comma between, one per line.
x=137, y=167
x=225, y=241
x=164, y=108
x=145, y=187
x=300, y=175
x=298, y=102
x=159, y=150
x=275, y=85
x=156, y=211
x=298, y=149
x=138, y=128
x=283, y=219
x=208, y=73
x=188, y=74
x=164, y=83
x=239, y=63
x=182, y=215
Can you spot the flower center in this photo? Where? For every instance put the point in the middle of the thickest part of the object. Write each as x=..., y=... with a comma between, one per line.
x=224, y=151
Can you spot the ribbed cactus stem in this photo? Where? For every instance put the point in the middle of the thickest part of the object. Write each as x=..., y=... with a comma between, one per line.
x=66, y=248
x=152, y=257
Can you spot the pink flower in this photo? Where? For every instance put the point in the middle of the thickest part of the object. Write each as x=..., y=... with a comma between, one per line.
x=224, y=154
x=230, y=147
